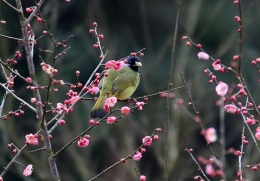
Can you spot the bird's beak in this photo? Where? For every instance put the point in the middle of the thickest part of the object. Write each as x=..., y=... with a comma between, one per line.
x=138, y=64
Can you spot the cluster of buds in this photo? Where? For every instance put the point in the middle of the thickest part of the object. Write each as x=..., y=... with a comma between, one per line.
x=16, y=113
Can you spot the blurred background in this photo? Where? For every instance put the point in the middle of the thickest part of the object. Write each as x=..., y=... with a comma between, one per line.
x=129, y=26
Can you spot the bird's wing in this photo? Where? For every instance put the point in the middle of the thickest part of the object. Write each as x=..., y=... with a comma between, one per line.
x=123, y=81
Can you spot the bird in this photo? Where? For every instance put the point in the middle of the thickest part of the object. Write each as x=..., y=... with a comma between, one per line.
x=119, y=83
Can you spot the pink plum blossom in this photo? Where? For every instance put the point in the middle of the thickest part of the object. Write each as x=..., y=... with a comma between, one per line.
x=216, y=66
x=48, y=69
x=257, y=134
x=203, y=56
x=28, y=80
x=139, y=105
x=1, y=179
x=83, y=142
x=210, y=170
x=111, y=120
x=250, y=121
x=211, y=135
x=31, y=139
x=137, y=156
x=28, y=170
x=94, y=90
x=61, y=108
x=74, y=99
x=147, y=141
x=222, y=89
x=110, y=102
x=230, y=108
x=117, y=65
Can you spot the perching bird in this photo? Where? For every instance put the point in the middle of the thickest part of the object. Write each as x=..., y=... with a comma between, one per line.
x=121, y=84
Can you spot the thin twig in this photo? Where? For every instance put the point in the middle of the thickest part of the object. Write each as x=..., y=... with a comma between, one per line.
x=12, y=161
x=137, y=172
x=11, y=38
x=122, y=160
x=11, y=6
x=251, y=133
x=241, y=151
x=168, y=109
x=18, y=98
x=222, y=137
x=40, y=149
x=12, y=71
x=131, y=55
x=98, y=42
x=157, y=93
x=200, y=169
x=189, y=94
x=240, y=38
x=19, y=164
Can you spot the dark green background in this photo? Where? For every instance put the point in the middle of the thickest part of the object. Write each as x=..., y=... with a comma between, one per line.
x=129, y=26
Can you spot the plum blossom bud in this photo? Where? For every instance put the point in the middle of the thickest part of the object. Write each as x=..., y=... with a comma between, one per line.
x=142, y=178
x=125, y=110
x=28, y=10
x=92, y=122
x=33, y=100
x=28, y=80
x=188, y=44
x=62, y=122
x=39, y=20
x=155, y=137
x=95, y=24
x=198, y=45
x=236, y=57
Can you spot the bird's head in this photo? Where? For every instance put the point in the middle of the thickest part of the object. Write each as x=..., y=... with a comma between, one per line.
x=133, y=63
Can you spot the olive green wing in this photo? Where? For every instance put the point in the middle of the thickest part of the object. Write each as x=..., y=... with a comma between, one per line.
x=125, y=79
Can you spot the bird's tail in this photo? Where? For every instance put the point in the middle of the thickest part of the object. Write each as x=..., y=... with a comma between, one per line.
x=98, y=110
